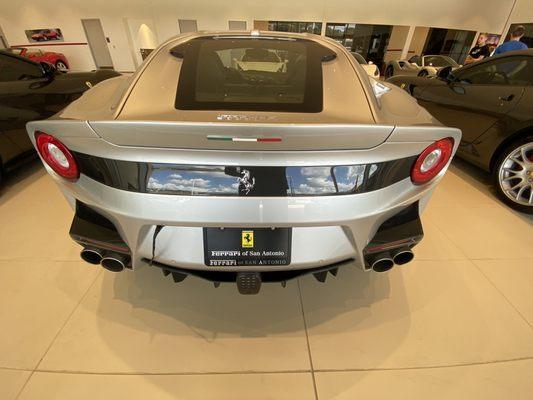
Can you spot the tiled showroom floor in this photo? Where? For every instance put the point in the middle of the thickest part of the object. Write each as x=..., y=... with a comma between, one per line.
x=455, y=323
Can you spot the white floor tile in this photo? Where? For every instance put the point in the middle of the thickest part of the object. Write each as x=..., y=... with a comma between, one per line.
x=498, y=381
x=139, y=321
x=424, y=314
x=277, y=386
x=11, y=382
x=36, y=299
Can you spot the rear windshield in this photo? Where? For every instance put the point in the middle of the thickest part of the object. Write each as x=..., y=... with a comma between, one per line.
x=256, y=74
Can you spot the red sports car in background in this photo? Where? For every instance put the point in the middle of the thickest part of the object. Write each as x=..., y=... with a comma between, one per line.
x=57, y=59
x=46, y=34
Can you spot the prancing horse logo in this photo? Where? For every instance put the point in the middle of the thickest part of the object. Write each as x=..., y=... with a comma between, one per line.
x=246, y=182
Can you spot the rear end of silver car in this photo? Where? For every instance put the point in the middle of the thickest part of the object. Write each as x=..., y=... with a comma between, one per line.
x=244, y=179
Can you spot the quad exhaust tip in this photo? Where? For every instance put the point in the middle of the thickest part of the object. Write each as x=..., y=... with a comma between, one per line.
x=382, y=262
x=403, y=256
x=92, y=255
x=115, y=262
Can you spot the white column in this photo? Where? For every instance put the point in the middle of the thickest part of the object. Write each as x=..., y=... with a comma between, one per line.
x=407, y=44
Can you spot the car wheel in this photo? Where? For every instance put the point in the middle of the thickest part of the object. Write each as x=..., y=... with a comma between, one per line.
x=513, y=175
x=423, y=73
x=389, y=72
x=61, y=66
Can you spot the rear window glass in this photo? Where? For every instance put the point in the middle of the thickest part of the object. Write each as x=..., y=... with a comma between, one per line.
x=257, y=74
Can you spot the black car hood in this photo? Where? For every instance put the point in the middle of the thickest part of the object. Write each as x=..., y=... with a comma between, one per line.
x=92, y=76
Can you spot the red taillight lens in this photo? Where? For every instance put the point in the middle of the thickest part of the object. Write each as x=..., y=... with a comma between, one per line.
x=432, y=160
x=57, y=156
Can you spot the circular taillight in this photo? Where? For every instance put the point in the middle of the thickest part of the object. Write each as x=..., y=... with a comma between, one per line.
x=57, y=156
x=432, y=160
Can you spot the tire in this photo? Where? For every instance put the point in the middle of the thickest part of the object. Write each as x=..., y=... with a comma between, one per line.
x=389, y=72
x=513, y=175
x=423, y=73
x=61, y=66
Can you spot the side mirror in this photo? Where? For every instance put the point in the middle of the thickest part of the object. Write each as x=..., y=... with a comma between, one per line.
x=445, y=73
x=48, y=70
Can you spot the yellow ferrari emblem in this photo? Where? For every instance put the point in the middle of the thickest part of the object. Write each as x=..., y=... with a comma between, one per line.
x=247, y=239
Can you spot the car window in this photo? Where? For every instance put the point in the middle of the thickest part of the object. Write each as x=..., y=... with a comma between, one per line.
x=358, y=57
x=439, y=61
x=14, y=51
x=13, y=69
x=415, y=60
x=34, y=52
x=515, y=71
x=250, y=74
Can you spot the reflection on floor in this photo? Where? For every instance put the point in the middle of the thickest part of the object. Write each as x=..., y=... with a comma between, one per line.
x=455, y=323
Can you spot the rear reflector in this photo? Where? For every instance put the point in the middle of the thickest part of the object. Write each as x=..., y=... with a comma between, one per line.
x=432, y=160
x=57, y=156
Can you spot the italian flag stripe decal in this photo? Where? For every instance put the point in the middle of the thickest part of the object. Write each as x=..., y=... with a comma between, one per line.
x=243, y=139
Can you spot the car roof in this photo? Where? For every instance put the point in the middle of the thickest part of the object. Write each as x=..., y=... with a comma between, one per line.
x=23, y=59
x=360, y=109
x=525, y=52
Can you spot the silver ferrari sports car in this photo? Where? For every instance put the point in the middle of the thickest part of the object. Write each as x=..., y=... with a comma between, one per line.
x=420, y=66
x=246, y=157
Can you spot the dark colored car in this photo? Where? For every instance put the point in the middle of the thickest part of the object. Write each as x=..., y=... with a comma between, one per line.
x=34, y=91
x=58, y=60
x=491, y=101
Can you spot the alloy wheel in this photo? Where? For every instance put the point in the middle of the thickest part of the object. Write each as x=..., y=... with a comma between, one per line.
x=60, y=65
x=516, y=175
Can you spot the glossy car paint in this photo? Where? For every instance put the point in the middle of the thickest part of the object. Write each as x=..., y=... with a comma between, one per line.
x=134, y=120
x=47, y=56
x=410, y=68
x=370, y=68
x=32, y=98
x=487, y=122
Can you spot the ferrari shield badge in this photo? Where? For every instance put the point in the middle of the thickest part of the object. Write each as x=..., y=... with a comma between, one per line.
x=247, y=239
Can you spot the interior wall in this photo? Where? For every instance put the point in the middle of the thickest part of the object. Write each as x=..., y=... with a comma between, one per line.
x=396, y=43
x=16, y=16
x=522, y=13
x=419, y=39
x=142, y=32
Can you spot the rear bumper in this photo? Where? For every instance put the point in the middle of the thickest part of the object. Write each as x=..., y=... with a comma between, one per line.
x=325, y=230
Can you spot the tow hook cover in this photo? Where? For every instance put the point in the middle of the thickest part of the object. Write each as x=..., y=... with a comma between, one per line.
x=248, y=282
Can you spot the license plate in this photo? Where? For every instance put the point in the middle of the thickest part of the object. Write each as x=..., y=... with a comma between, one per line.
x=247, y=246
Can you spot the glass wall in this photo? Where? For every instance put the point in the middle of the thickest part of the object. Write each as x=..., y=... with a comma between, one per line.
x=527, y=38
x=295, y=26
x=449, y=42
x=368, y=40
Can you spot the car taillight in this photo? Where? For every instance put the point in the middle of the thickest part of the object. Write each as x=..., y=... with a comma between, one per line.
x=57, y=156
x=432, y=160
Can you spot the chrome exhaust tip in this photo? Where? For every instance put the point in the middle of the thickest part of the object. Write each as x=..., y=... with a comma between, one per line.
x=382, y=262
x=115, y=262
x=92, y=255
x=403, y=256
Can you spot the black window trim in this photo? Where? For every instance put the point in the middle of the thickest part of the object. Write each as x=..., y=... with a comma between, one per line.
x=185, y=92
x=489, y=61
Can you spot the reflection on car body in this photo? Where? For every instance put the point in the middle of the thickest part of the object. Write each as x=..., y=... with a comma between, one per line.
x=246, y=157
x=491, y=101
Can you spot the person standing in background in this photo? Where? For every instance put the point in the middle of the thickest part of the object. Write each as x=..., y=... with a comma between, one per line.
x=479, y=51
x=514, y=42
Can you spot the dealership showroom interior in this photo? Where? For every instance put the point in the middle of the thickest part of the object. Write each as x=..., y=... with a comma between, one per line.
x=319, y=199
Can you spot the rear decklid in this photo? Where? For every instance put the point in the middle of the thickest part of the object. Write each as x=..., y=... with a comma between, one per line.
x=242, y=136
x=242, y=91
